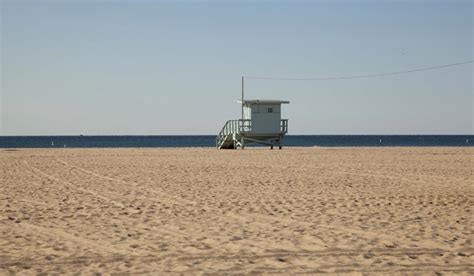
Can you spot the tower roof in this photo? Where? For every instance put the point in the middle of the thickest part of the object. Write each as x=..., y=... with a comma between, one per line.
x=263, y=101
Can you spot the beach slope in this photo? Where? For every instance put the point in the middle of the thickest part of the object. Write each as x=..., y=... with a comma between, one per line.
x=309, y=210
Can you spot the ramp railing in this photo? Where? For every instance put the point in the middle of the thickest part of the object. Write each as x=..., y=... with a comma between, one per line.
x=284, y=125
x=231, y=127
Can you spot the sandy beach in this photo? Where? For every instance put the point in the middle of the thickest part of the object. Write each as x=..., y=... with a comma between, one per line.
x=193, y=211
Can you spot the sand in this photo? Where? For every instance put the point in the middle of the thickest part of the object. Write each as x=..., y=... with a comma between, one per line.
x=193, y=211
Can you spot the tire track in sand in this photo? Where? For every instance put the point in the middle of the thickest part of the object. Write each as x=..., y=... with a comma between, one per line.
x=263, y=218
x=173, y=199
x=71, y=185
x=96, y=246
x=340, y=228
x=120, y=257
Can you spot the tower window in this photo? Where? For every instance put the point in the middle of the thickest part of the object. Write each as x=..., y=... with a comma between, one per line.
x=270, y=110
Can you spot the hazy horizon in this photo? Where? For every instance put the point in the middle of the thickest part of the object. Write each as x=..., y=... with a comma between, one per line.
x=167, y=68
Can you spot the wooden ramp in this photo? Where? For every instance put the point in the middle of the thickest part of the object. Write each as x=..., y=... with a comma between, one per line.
x=227, y=142
x=226, y=139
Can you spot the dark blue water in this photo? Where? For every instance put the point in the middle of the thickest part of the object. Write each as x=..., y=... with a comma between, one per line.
x=209, y=141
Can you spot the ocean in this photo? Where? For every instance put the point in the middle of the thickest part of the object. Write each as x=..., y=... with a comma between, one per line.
x=124, y=141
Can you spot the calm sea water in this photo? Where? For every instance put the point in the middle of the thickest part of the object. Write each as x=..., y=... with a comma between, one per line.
x=209, y=141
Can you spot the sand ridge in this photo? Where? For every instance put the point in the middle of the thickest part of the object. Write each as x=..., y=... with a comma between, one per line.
x=198, y=210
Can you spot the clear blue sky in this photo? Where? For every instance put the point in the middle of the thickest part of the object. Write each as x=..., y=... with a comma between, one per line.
x=160, y=67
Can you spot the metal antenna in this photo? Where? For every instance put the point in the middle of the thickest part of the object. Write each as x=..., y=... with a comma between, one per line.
x=242, y=98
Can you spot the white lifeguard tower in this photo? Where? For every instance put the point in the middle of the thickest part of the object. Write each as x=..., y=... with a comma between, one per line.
x=261, y=123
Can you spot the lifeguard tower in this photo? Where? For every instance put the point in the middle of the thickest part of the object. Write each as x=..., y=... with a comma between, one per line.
x=261, y=123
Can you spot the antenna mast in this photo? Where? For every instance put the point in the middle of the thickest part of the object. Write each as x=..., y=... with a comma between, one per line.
x=242, y=98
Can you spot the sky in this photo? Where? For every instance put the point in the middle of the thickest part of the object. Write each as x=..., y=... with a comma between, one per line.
x=174, y=67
